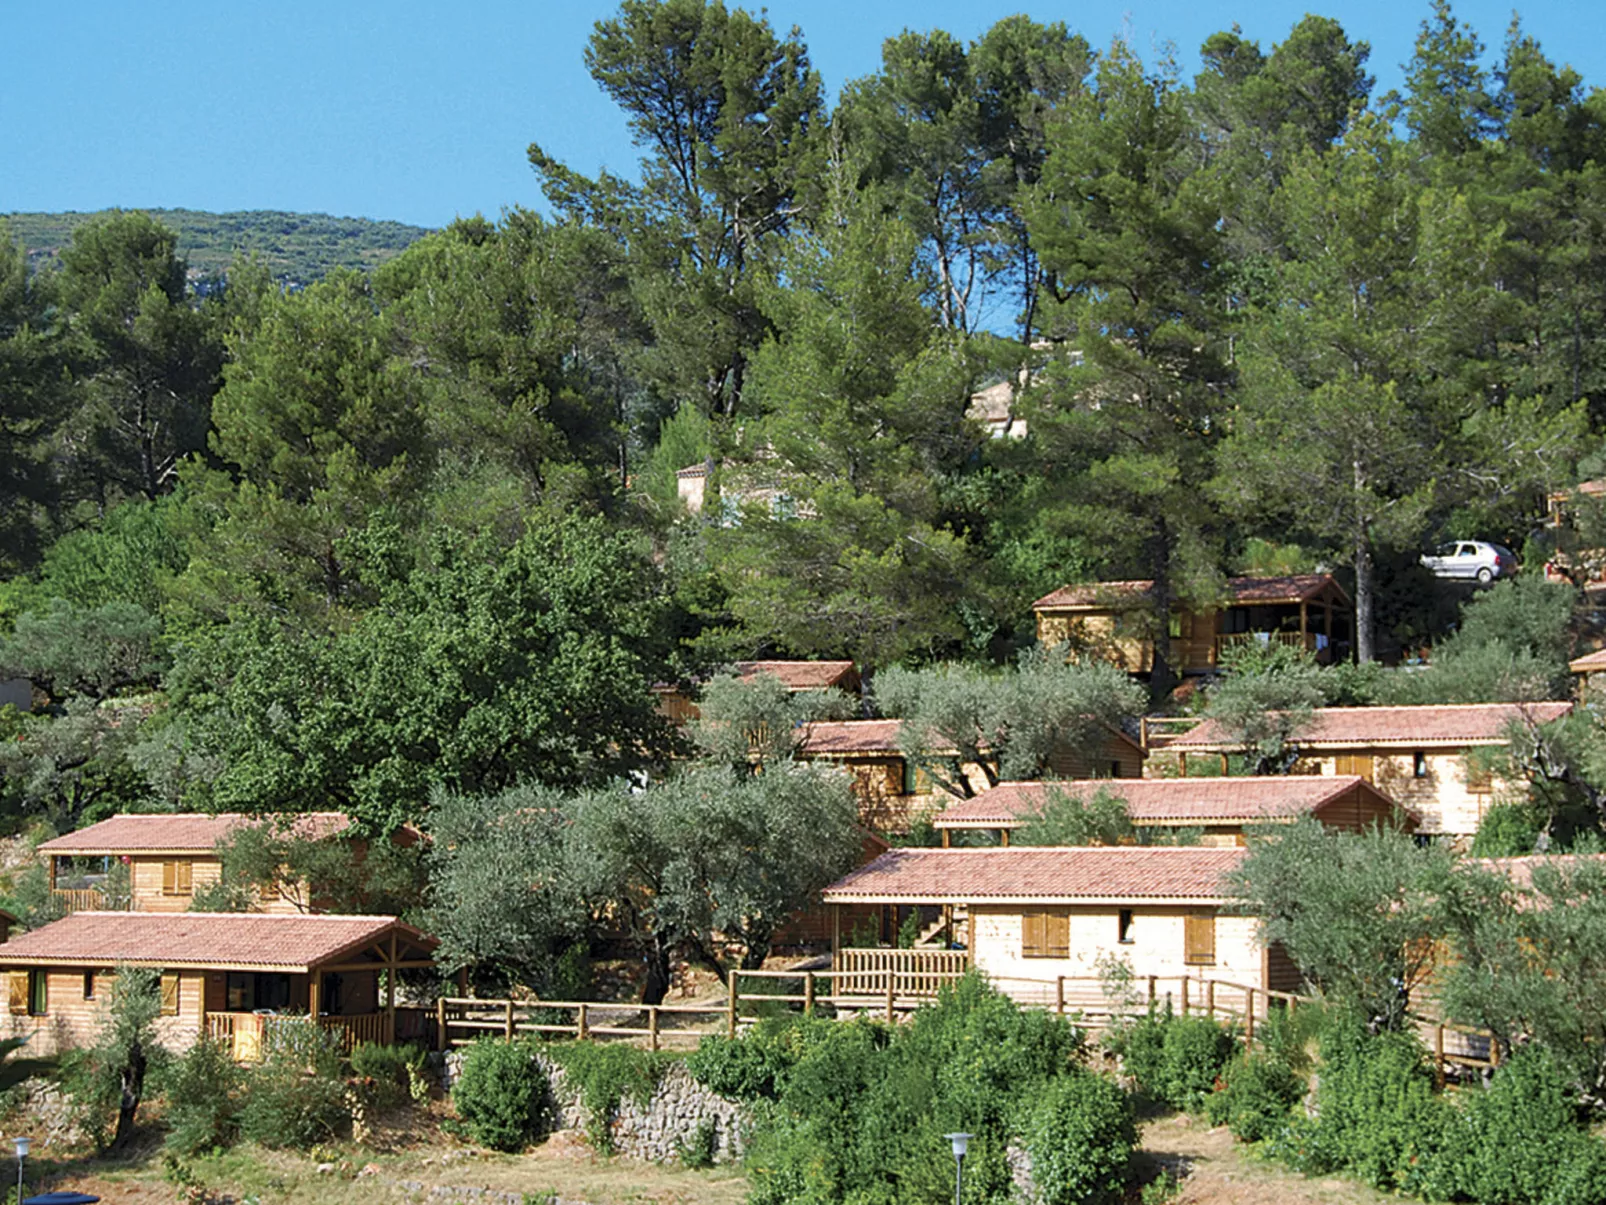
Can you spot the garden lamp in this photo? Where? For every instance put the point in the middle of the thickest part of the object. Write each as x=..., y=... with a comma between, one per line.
x=22, y=1144
x=961, y=1143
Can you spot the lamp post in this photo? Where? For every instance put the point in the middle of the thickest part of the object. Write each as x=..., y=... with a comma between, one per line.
x=961, y=1144
x=22, y=1145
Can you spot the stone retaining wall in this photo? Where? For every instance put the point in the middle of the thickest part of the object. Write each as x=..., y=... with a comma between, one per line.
x=656, y=1130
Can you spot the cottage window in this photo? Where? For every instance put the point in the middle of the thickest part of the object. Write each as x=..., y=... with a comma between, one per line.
x=170, y=993
x=89, y=985
x=178, y=877
x=1199, y=939
x=1123, y=924
x=1419, y=764
x=1046, y=934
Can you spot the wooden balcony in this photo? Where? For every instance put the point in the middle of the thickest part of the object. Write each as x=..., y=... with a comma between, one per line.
x=87, y=899
x=869, y=972
x=1293, y=640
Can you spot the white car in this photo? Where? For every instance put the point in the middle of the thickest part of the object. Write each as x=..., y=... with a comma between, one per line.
x=1471, y=560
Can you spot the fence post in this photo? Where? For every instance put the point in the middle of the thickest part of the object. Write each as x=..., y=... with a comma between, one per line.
x=1438, y=1054
x=580, y=1022
x=730, y=1007
x=1210, y=998
x=808, y=993
x=1059, y=996
x=440, y=1024
x=1249, y=1016
x=1151, y=991
x=510, y=1020
x=891, y=990
x=652, y=1026
x=1184, y=995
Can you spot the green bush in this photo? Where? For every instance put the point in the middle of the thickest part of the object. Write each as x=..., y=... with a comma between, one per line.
x=392, y=1069
x=754, y=1066
x=1379, y=1114
x=297, y=1095
x=604, y=1073
x=1175, y=1060
x=501, y=1094
x=203, y=1091
x=1259, y=1091
x=1511, y=1137
x=1081, y=1136
x=1582, y=1180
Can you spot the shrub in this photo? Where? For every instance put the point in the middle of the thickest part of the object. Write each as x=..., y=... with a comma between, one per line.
x=752, y=1067
x=1582, y=1180
x=1081, y=1136
x=500, y=1094
x=392, y=1069
x=1380, y=1116
x=296, y=1096
x=203, y=1090
x=1176, y=1060
x=698, y=1149
x=604, y=1073
x=1259, y=1091
x=1511, y=1138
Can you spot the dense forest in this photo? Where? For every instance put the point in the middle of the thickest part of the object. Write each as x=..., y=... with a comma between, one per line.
x=298, y=248
x=417, y=530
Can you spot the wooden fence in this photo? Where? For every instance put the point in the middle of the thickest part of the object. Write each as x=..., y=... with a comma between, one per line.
x=250, y=1035
x=86, y=899
x=868, y=971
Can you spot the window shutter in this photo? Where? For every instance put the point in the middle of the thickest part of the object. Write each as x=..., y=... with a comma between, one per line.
x=170, y=982
x=19, y=993
x=1200, y=939
x=1058, y=933
x=1033, y=936
x=182, y=873
x=169, y=878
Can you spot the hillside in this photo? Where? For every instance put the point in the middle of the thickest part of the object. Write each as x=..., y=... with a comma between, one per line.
x=300, y=247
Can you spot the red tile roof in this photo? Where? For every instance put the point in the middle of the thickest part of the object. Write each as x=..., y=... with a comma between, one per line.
x=826, y=738
x=1162, y=800
x=291, y=943
x=1241, y=591
x=1027, y=873
x=185, y=833
x=1589, y=662
x=798, y=675
x=1399, y=727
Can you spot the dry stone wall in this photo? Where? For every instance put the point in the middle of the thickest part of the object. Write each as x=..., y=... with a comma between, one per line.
x=679, y=1115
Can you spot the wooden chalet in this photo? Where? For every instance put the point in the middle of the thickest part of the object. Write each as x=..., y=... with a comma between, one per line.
x=224, y=974
x=1031, y=916
x=1224, y=808
x=169, y=856
x=1114, y=620
x=1426, y=758
x=893, y=791
x=677, y=704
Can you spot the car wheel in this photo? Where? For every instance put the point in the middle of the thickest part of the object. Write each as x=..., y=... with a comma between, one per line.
x=1485, y=576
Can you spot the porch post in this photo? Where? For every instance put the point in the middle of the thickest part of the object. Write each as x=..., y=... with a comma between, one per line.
x=1304, y=623
x=836, y=934
x=314, y=991
x=1003, y=837
x=52, y=872
x=390, y=994
x=945, y=838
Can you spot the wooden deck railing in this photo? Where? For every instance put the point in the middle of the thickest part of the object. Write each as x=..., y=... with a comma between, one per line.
x=87, y=899
x=249, y=1034
x=1295, y=640
x=911, y=972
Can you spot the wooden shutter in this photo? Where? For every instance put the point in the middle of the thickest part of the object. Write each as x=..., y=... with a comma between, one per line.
x=1033, y=935
x=183, y=877
x=170, y=981
x=1199, y=939
x=19, y=993
x=1354, y=763
x=169, y=878
x=1057, y=931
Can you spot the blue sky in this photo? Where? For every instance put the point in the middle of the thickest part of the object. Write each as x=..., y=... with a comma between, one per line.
x=422, y=112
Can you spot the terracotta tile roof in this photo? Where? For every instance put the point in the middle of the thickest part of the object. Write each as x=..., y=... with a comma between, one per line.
x=191, y=832
x=1162, y=800
x=1399, y=727
x=826, y=738
x=693, y=470
x=1026, y=873
x=1240, y=590
x=798, y=675
x=199, y=939
x=1589, y=662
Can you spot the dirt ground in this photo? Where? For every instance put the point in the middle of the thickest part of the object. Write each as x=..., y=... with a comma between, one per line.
x=1214, y=1170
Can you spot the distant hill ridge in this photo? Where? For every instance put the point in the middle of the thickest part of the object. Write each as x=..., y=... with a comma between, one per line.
x=297, y=247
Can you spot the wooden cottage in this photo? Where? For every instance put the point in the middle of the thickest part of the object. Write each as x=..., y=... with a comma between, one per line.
x=1041, y=921
x=676, y=703
x=893, y=791
x=170, y=856
x=1115, y=620
x=1426, y=758
x=226, y=974
x=1586, y=668
x=1224, y=808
